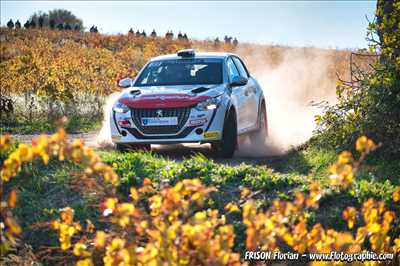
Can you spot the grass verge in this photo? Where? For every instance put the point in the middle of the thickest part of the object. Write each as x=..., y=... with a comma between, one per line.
x=43, y=189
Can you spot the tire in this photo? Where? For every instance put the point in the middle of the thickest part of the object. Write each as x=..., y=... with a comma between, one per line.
x=121, y=147
x=133, y=147
x=227, y=146
x=140, y=147
x=258, y=137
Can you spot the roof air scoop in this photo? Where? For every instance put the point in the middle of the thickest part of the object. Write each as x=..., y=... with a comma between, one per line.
x=186, y=53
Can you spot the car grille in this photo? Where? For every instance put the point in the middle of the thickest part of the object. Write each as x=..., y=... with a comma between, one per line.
x=181, y=113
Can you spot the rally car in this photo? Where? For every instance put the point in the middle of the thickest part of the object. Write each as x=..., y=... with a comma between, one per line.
x=189, y=97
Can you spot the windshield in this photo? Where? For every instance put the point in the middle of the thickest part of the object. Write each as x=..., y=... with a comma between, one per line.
x=181, y=72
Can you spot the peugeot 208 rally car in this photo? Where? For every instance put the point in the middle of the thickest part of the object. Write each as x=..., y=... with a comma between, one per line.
x=189, y=97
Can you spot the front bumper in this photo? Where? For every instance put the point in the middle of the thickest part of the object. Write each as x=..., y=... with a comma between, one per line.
x=200, y=127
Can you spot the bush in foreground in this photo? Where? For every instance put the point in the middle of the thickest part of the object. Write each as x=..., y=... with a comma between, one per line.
x=174, y=223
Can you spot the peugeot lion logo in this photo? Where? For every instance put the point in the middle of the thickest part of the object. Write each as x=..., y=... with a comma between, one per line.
x=159, y=113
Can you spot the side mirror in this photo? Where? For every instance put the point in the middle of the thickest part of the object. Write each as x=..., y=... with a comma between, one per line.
x=125, y=82
x=238, y=81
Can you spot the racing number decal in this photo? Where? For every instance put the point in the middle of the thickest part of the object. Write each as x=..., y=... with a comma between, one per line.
x=211, y=135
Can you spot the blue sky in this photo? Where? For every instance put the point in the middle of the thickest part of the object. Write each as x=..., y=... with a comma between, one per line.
x=333, y=24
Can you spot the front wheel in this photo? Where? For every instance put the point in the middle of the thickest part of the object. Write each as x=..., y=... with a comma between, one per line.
x=258, y=137
x=226, y=147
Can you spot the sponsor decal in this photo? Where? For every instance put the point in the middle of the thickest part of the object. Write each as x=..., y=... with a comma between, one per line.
x=211, y=135
x=197, y=122
x=160, y=121
x=115, y=137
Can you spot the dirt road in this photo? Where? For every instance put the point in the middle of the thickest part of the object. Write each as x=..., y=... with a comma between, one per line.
x=175, y=152
x=89, y=138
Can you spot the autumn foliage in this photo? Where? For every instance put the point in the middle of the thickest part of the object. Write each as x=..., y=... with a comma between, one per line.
x=171, y=223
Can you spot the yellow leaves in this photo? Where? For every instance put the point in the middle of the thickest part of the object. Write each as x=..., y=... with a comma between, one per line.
x=116, y=253
x=109, y=205
x=363, y=144
x=25, y=153
x=171, y=224
x=66, y=227
x=231, y=207
x=200, y=217
x=84, y=262
x=349, y=214
x=396, y=247
x=134, y=194
x=373, y=227
x=344, y=158
x=5, y=142
x=342, y=171
x=100, y=239
x=13, y=227
x=396, y=194
x=249, y=212
x=314, y=196
x=80, y=250
x=317, y=119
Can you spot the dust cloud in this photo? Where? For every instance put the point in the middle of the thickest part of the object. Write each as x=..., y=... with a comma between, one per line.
x=292, y=84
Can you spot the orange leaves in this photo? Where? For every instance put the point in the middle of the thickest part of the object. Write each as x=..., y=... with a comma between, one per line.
x=169, y=223
x=12, y=199
x=287, y=221
x=342, y=171
x=363, y=144
x=173, y=231
x=377, y=225
x=349, y=214
x=46, y=147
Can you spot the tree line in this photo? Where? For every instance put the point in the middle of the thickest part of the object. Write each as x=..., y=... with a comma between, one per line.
x=61, y=19
x=40, y=23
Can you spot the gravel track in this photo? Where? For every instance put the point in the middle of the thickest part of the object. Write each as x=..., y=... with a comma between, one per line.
x=176, y=151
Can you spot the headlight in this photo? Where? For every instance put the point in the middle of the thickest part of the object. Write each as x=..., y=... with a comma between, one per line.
x=120, y=108
x=209, y=104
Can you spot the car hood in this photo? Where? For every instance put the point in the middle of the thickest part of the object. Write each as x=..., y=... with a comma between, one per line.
x=168, y=96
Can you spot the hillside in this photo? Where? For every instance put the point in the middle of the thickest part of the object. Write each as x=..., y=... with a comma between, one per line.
x=47, y=74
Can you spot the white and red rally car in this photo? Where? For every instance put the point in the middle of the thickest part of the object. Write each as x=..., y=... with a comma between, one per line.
x=189, y=97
